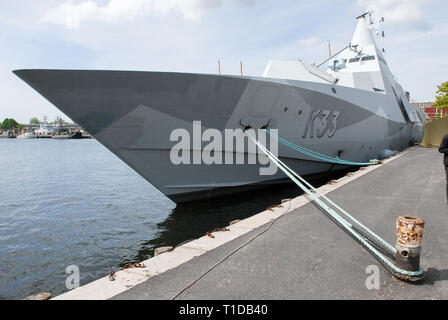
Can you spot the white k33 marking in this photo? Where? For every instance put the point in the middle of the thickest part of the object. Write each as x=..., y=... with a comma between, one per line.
x=321, y=122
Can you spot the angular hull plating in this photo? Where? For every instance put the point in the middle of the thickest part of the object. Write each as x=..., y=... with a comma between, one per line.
x=356, y=112
x=134, y=113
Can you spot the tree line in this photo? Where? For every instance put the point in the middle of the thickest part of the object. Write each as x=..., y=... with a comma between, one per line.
x=442, y=96
x=10, y=123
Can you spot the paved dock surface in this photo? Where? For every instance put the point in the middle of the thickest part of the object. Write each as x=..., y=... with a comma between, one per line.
x=306, y=256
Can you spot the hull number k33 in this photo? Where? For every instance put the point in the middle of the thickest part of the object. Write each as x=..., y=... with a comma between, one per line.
x=321, y=122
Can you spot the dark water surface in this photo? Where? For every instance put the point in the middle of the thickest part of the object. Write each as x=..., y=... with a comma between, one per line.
x=72, y=202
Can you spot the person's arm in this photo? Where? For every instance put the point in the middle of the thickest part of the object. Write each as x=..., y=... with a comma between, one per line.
x=444, y=145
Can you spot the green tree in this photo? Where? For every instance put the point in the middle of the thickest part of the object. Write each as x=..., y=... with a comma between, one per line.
x=34, y=121
x=442, y=96
x=9, y=124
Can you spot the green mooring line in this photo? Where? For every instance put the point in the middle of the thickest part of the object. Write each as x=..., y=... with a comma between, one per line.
x=344, y=223
x=317, y=155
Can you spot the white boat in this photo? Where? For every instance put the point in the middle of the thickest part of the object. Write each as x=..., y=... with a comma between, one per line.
x=27, y=135
x=46, y=130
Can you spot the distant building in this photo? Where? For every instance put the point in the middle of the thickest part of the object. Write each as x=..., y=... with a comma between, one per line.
x=431, y=111
x=70, y=127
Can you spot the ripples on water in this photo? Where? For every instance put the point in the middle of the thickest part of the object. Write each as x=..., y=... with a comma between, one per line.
x=72, y=202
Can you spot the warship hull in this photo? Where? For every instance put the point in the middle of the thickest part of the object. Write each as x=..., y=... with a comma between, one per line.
x=135, y=113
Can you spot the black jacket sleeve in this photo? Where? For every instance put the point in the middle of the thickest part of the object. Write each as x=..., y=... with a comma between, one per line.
x=444, y=145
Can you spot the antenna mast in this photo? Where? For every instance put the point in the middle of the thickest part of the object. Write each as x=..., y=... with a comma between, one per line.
x=363, y=15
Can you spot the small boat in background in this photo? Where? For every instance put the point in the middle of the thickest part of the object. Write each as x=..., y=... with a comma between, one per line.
x=46, y=131
x=27, y=135
x=75, y=135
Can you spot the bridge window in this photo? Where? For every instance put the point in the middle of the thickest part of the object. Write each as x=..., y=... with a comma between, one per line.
x=353, y=60
x=368, y=58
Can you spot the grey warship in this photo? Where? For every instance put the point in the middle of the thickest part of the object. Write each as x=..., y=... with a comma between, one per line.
x=354, y=110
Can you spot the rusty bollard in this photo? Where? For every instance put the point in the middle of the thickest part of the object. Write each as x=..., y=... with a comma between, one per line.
x=409, y=242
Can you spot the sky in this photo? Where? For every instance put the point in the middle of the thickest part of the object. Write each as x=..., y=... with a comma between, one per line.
x=192, y=35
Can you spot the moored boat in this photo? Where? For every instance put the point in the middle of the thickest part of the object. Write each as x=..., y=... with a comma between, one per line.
x=353, y=110
x=27, y=135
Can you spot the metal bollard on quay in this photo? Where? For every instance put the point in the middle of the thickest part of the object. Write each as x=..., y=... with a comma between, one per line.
x=409, y=242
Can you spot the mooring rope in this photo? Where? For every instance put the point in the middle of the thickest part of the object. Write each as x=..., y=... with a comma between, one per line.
x=317, y=155
x=309, y=189
x=390, y=247
x=344, y=223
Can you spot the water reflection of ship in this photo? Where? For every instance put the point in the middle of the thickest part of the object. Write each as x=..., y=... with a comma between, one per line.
x=190, y=221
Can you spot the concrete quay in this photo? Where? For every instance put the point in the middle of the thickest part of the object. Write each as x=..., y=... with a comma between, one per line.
x=295, y=252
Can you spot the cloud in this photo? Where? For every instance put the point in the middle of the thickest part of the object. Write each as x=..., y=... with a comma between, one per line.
x=309, y=42
x=405, y=13
x=310, y=49
x=71, y=13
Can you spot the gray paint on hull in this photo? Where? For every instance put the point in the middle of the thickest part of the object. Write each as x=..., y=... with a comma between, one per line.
x=96, y=99
x=133, y=114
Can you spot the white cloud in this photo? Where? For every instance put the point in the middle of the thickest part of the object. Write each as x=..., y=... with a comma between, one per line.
x=408, y=13
x=312, y=49
x=71, y=13
x=311, y=42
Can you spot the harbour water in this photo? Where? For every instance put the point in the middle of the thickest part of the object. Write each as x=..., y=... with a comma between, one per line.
x=73, y=202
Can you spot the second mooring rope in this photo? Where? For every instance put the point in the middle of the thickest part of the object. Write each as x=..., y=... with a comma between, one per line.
x=344, y=223
x=317, y=155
